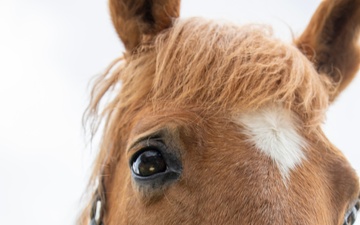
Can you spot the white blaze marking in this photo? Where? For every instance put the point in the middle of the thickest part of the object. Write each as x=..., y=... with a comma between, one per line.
x=273, y=131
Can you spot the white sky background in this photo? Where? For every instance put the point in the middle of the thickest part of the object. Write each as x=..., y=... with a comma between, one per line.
x=49, y=50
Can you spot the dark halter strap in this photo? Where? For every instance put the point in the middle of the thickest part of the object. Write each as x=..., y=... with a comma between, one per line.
x=350, y=216
x=97, y=212
x=98, y=202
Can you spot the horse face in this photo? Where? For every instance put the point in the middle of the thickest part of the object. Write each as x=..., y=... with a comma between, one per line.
x=219, y=124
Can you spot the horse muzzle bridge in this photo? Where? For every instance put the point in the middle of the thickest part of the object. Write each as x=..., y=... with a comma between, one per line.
x=97, y=213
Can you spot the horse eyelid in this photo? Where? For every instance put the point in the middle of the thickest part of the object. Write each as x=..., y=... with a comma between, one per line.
x=146, y=138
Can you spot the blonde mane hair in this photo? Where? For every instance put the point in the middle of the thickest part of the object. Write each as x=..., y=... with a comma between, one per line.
x=237, y=68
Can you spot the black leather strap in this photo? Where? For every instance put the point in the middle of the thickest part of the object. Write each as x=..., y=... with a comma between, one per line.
x=96, y=213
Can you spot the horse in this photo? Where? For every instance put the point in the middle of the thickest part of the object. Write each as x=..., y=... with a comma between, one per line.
x=208, y=122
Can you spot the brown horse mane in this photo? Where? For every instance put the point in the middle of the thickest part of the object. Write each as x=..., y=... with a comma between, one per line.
x=217, y=67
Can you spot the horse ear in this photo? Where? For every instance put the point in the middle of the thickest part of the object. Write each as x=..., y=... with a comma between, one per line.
x=331, y=41
x=138, y=21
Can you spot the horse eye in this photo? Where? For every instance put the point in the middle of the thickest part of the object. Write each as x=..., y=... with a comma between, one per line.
x=148, y=163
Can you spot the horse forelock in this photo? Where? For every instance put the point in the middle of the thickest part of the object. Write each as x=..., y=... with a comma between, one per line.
x=223, y=66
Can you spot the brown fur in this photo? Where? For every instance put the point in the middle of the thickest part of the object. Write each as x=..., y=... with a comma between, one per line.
x=189, y=81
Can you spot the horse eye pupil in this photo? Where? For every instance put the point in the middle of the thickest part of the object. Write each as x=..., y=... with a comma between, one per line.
x=148, y=163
